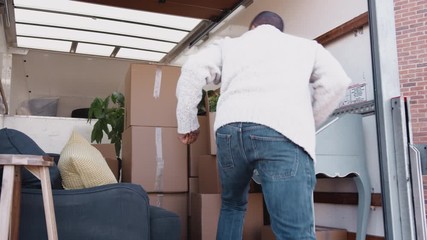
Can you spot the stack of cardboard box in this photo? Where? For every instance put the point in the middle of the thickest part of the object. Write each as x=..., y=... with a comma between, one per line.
x=206, y=203
x=183, y=179
x=152, y=154
x=167, y=169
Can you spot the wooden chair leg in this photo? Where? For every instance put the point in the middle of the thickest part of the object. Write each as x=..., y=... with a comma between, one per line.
x=16, y=204
x=48, y=204
x=42, y=173
x=6, y=201
x=10, y=198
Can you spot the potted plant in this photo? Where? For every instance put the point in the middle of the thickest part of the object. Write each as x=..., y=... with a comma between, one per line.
x=213, y=96
x=110, y=119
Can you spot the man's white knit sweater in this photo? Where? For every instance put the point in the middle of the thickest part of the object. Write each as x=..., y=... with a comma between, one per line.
x=287, y=83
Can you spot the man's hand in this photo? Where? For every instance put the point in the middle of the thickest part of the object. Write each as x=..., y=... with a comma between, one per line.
x=190, y=137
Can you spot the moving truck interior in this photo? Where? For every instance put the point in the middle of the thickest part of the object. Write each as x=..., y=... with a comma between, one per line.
x=58, y=56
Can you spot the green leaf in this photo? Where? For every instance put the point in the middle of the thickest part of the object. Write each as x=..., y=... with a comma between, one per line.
x=105, y=103
x=118, y=98
x=110, y=119
x=213, y=96
x=97, y=132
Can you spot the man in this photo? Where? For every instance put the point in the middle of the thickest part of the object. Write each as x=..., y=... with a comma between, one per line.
x=275, y=90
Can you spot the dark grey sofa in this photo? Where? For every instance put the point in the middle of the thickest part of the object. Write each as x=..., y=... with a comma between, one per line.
x=114, y=211
x=108, y=212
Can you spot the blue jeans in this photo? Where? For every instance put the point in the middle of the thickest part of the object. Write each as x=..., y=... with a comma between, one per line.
x=286, y=173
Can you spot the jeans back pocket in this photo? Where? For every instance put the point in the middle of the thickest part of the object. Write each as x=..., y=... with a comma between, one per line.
x=277, y=156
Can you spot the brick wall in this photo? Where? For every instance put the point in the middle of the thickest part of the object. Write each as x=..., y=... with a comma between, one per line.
x=425, y=190
x=411, y=31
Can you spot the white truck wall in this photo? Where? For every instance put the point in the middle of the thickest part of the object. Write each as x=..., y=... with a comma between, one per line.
x=304, y=18
x=76, y=80
x=50, y=133
x=5, y=68
x=353, y=51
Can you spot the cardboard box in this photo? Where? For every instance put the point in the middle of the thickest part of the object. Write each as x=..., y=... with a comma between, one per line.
x=174, y=202
x=209, y=181
x=322, y=233
x=154, y=158
x=205, y=213
x=193, y=187
x=327, y=233
x=193, y=184
x=200, y=147
x=267, y=233
x=150, y=95
x=108, y=151
x=212, y=142
x=115, y=167
x=211, y=120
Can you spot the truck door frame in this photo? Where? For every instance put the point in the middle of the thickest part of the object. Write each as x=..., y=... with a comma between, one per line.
x=398, y=209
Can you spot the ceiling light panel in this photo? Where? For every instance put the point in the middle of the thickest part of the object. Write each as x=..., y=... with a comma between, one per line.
x=102, y=11
x=92, y=37
x=98, y=25
x=93, y=49
x=98, y=29
x=141, y=55
x=47, y=44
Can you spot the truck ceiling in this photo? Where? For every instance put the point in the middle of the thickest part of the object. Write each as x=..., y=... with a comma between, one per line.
x=147, y=30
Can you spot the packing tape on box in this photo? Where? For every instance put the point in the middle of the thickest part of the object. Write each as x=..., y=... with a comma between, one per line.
x=157, y=83
x=160, y=163
x=159, y=200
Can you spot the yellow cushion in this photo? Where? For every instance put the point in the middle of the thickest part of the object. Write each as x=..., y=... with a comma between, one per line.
x=82, y=166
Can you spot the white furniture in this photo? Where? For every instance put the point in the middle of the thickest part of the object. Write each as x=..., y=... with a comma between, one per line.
x=340, y=152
